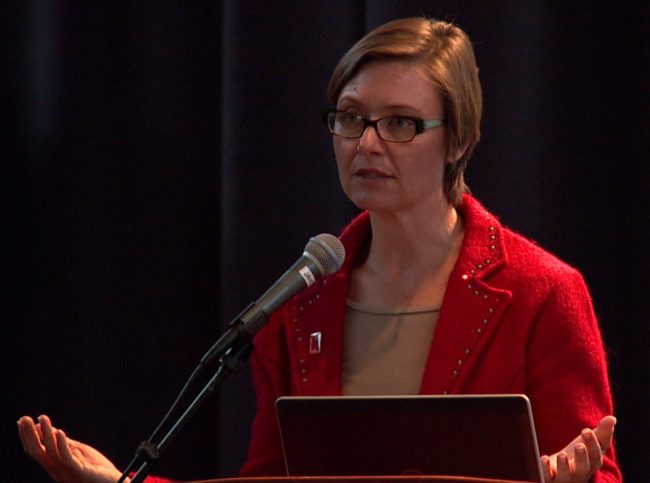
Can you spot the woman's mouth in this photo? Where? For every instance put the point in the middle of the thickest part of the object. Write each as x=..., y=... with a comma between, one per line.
x=368, y=173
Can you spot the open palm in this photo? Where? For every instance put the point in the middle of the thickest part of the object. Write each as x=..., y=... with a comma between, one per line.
x=66, y=460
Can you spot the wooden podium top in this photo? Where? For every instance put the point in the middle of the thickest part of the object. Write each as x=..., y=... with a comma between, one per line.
x=361, y=479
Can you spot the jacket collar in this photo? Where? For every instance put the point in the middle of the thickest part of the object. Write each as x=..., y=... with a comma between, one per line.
x=473, y=305
x=471, y=310
x=482, y=251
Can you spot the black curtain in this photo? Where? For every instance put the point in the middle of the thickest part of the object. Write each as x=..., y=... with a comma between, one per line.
x=164, y=163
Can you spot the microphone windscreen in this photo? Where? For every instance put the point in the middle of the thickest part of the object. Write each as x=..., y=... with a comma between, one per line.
x=328, y=250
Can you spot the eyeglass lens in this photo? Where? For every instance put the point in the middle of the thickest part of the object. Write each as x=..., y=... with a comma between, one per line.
x=391, y=128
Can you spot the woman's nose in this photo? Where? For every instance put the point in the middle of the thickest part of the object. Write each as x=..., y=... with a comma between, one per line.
x=370, y=141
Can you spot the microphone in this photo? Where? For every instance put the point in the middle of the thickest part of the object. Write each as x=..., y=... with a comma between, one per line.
x=323, y=255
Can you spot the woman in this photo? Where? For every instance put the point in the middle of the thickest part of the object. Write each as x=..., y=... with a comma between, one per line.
x=435, y=296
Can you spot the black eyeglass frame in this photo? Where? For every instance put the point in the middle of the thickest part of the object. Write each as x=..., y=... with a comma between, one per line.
x=420, y=125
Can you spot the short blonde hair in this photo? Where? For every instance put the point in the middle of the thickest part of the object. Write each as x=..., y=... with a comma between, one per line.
x=447, y=55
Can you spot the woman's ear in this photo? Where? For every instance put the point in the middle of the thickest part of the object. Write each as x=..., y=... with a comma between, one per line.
x=453, y=157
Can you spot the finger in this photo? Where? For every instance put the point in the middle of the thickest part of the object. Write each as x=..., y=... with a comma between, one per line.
x=593, y=448
x=563, y=472
x=581, y=463
x=64, y=449
x=31, y=439
x=69, y=463
x=21, y=433
x=26, y=432
x=32, y=435
x=49, y=441
x=546, y=469
x=605, y=431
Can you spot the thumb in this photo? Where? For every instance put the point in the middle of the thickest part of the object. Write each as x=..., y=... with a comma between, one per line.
x=605, y=431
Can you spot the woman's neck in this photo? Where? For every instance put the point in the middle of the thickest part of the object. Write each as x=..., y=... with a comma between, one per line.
x=408, y=240
x=409, y=260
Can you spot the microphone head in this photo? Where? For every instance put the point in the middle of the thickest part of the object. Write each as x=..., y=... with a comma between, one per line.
x=328, y=251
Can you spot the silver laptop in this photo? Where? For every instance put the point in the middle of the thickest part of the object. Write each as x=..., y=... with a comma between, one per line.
x=484, y=436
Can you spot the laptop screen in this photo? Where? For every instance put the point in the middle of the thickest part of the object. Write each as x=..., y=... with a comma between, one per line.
x=485, y=436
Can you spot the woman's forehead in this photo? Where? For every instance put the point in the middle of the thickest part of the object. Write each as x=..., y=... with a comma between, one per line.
x=394, y=83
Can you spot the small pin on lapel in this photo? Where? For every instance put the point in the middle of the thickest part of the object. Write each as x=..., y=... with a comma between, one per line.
x=315, y=342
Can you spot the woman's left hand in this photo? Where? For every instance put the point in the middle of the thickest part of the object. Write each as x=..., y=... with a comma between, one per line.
x=582, y=457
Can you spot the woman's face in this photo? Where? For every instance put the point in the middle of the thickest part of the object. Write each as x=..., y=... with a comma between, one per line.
x=379, y=175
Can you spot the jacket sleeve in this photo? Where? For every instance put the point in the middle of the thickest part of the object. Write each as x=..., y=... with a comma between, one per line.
x=566, y=367
x=155, y=479
x=269, y=363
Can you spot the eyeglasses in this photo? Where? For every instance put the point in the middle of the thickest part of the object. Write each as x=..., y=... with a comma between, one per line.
x=396, y=129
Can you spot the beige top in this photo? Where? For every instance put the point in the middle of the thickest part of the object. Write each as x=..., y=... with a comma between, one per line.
x=385, y=350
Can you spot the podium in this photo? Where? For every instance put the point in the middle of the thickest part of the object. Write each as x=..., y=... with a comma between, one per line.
x=361, y=479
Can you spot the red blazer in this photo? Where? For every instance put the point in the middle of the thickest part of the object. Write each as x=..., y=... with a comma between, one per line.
x=514, y=319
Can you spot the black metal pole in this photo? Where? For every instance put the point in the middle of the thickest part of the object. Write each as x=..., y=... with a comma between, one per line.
x=230, y=363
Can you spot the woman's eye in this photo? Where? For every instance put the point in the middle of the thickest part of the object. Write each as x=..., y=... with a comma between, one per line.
x=400, y=122
x=348, y=118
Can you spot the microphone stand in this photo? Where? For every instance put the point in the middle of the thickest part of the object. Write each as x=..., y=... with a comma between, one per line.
x=232, y=362
x=234, y=348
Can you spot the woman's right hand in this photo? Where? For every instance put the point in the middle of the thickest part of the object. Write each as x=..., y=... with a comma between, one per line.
x=65, y=460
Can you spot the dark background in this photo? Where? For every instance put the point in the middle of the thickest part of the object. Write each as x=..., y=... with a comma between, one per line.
x=164, y=163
